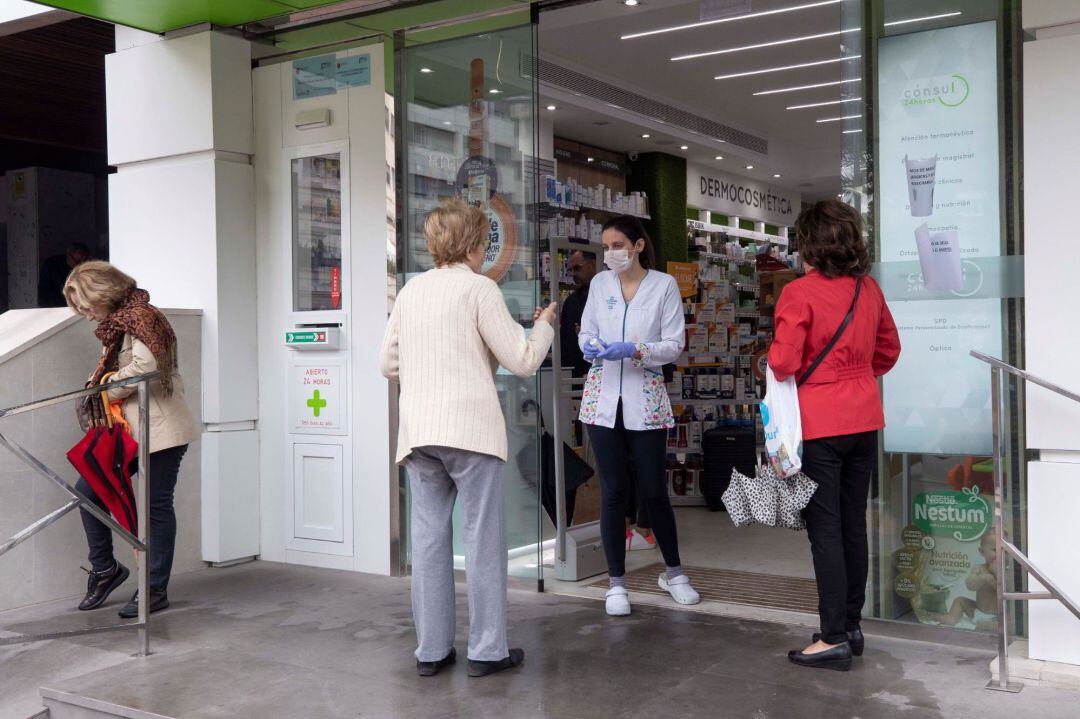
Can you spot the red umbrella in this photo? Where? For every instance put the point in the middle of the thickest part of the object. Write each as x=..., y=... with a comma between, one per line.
x=103, y=458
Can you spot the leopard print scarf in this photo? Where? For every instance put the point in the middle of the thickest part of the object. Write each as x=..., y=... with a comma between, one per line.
x=140, y=319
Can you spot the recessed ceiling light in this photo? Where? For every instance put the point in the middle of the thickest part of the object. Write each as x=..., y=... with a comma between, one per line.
x=552, y=107
x=719, y=157
x=646, y=136
x=631, y=3
x=824, y=104
x=749, y=167
x=758, y=46
x=447, y=122
x=840, y=196
x=922, y=19
x=777, y=175
x=494, y=91
x=592, y=159
x=808, y=87
x=746, y=16
x=684, y=147
x=787, y=67
x=426, y=70
x=838, y=119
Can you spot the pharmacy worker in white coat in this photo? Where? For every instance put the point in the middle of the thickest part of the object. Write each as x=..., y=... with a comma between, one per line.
x=632, y=325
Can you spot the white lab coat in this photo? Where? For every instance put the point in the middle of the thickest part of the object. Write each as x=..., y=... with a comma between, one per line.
x=653, y=321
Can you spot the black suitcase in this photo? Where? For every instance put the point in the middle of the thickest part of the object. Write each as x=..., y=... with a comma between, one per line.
x=726, y=448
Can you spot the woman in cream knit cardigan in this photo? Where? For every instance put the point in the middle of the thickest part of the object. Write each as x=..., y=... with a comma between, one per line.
x=447, y=334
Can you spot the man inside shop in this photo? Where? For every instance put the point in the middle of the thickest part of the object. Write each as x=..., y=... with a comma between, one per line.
x=582, y=268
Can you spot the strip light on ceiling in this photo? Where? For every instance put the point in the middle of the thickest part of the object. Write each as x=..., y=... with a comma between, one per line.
x=851, y=132
x=760, y=45
x=787, y=67
x=808, y=87
x=824, y=104
x=942, y=16
x=747, y=16
x=838, y=119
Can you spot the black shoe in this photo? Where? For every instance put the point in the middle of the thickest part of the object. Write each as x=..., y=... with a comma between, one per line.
x=482, y=669
x=101, y=584
x=159, y=600
x=855, y=640
x=430, y=669
x=837, y=658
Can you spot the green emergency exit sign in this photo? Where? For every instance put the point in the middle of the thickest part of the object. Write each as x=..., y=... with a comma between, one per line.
x=306, y=338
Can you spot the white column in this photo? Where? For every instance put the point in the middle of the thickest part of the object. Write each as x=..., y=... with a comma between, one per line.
x=182, y=215
x=1051, y=152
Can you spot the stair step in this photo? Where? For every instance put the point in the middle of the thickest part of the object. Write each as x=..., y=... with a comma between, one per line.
x=66, y=705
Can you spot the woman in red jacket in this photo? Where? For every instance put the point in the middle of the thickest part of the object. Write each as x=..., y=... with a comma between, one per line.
x=841, y=411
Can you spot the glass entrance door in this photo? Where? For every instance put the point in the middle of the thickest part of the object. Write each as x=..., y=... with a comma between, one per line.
x=467, y=127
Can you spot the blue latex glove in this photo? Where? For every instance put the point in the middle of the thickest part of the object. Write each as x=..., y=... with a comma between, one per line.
x=617, y=351
x=591, y=352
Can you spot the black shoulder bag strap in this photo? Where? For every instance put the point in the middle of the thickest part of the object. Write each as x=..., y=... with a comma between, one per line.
x=836, y=337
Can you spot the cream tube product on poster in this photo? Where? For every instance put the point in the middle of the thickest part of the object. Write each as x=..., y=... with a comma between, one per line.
x=921, y=177
x=939, y=257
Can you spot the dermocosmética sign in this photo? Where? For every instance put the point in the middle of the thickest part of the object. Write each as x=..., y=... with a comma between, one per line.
x=734, y=196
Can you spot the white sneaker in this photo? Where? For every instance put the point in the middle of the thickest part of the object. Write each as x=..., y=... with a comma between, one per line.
x=617, y=602
x=636, y=541
x=680, y=590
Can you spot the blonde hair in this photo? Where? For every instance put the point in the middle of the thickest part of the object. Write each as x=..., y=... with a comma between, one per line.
x=454, y=230
x=96, y=284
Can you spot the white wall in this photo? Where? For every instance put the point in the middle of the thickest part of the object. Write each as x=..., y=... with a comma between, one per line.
x=1051, y=155
x=182, y=220
x=357, y=115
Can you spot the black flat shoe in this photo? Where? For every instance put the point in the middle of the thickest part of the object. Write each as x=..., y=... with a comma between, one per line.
x=100, y=585
x=482, y=669
x=838, y=658
x=430, y=669
x=158, y=600
x=855, y=640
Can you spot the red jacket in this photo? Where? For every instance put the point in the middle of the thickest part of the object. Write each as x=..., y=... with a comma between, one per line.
x=842, y=396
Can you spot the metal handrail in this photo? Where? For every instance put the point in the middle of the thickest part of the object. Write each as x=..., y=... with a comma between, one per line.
x=1004, y=546
x=139, y=543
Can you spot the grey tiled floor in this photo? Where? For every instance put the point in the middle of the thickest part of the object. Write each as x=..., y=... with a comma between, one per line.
x=271, y=641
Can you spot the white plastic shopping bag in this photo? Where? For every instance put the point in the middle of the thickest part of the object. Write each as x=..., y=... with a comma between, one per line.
x=783, y=424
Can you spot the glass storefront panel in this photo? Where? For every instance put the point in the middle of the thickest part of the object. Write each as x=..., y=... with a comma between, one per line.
x=946, y=255
x=467, y=127
x=316, y=218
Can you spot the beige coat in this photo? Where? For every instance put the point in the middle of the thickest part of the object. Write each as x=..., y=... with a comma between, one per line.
x=171, y=421
x=449, y=332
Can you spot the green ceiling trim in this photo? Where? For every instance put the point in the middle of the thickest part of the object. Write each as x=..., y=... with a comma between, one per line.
x=161, y=16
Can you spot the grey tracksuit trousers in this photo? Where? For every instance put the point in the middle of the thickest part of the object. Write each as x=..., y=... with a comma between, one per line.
x=437, y=475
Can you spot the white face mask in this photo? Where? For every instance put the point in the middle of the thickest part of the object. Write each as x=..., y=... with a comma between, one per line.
x=617, y=261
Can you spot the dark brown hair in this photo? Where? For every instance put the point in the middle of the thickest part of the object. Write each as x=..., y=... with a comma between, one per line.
x=634, y=231
x=830, y=238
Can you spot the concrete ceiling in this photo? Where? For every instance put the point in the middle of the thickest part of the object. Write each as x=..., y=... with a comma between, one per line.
x=806, y=153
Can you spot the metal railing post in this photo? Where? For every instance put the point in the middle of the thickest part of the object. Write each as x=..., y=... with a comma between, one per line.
x=997, y=416
x=1006, y=548
x=142, y=504
x=77, y=500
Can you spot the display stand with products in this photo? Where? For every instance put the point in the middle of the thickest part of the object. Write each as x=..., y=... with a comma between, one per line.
x=720, y=378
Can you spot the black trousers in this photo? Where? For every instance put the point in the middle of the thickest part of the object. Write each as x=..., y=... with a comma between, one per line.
x=836, y=524
x=648, y=448
x=164, y=470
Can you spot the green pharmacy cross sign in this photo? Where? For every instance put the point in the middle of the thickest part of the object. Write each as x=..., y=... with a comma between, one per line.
x=316, y=403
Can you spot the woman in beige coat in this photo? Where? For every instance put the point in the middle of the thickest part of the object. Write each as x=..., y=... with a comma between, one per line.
x=448, y=333
x=137, y=339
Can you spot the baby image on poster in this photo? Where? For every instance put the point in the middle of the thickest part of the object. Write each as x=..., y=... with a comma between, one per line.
x=982, y=611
